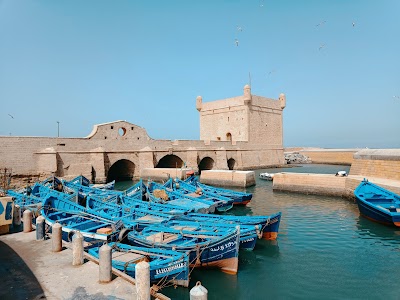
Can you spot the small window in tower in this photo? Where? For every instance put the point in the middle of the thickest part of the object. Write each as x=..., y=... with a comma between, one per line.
x=228, y=119
x=105, y=137
x=218, y=138
x=112, y=127
x=131, y=128
x=266, y=124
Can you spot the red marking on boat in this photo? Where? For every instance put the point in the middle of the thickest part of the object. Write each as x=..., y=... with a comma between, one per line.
x=241, y=203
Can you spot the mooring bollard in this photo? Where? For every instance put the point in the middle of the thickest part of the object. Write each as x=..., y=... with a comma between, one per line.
x=56, y=237
x=77, y=249
x=105, y=267
x=27, y=220
x=198, y=292
x=40, y=224
x=17, y=215
x=142, y=277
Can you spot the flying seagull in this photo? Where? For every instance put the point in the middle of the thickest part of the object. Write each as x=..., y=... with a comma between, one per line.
x=322, y=46
x=11, y=116
x=320, y=24
x=237, y=42
x=354, y=24
x=239, y=28
x=398, y=97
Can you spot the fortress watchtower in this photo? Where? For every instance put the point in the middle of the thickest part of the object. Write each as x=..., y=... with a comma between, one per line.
x=247, y=118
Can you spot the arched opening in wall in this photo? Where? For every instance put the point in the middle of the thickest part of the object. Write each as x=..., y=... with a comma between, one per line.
x=121, y=170
x=207, y=163
x=231, y=164
x=229, y=136
x=170, y=161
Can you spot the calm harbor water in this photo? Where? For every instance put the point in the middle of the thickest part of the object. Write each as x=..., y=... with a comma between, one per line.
x=325, y=250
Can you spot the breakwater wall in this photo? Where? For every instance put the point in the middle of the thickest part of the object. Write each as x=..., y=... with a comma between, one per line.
x=380, y=166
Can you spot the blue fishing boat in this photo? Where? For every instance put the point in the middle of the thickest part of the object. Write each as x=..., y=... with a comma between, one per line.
x=84, y=191
x=174, y=198
x=239, y=198
x=222, y=204
x=378, y=204
x=82, y=180
x=155, y=206
x=166, y=266
x=138, y=219
x=269, y=224
x=73, y=217
x=217, y=248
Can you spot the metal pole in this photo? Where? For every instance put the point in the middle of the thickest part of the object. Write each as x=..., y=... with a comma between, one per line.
x=58, y=129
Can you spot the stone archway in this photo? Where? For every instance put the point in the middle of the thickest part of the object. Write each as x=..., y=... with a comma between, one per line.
x=207, y=163
x=121, y=170
x=170, y=161
x=231, y=164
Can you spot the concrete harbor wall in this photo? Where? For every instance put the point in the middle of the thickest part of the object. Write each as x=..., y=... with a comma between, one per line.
x=228, y=178
x=319, y=184
x=329, y=156
x=381, y=163
x=380, y=166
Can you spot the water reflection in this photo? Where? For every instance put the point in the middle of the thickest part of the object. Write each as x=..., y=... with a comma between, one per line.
x=367, y=229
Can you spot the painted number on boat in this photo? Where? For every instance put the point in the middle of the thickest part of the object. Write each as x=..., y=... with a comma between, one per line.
x=225, y=246
x=172, y=268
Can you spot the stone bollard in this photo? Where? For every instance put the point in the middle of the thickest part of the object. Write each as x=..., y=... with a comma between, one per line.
x=142, y=277
x=56, y=237
x=40, y=225
x=198, y=292
x=27, y=220
x=77, y=249
x=17, y=215
x=105, y=264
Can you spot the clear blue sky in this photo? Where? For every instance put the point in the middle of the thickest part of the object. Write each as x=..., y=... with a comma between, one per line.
x=88, y=62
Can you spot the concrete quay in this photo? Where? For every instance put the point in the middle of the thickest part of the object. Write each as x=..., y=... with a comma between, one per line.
x=30, y=270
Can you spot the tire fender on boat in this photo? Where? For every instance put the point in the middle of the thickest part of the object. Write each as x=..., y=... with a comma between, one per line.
x=123, y=234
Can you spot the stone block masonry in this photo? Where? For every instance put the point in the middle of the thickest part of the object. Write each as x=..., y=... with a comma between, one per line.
x=239, y=133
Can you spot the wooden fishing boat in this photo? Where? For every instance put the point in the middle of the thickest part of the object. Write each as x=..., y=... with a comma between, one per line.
x=378, y=204
x=269, y=224
x=218, y=248
x=82, y=180
x=174, y=198
x=222, y=204
x=138, y=219
x=84, y=191
x=239, y=198
x=166, y=266
x=155, y=206
x=73, y=217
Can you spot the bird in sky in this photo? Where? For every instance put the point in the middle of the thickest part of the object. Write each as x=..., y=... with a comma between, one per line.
x=320, y=23
x=396, y=97
x=11, y=116
x=237, y=42
x=239, y=28
x=322, y=46
x=261, y=3
x=354, y=24
x=270, y=72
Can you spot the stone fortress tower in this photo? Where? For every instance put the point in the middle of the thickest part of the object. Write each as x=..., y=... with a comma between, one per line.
x=248, y=118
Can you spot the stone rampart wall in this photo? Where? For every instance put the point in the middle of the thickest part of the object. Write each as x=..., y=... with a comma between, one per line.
x=327, y=156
